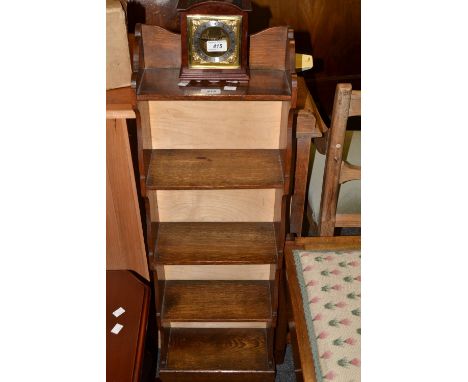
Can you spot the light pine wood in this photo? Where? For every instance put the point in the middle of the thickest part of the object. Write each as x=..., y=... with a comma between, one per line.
x=124, y=235
x=217, y=272
x=262, y=205
x=304, y=62
x=349, y=172
x=214, y=124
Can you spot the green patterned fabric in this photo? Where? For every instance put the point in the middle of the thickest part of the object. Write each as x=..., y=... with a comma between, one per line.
x=330, y=284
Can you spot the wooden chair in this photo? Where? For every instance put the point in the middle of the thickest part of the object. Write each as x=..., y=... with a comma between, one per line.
x=323, y=307
x=338, y=205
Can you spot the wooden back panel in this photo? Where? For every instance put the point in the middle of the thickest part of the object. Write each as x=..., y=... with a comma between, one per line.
x=162, y=49
x=208, y=125
x=250, y=205
x=268, y=49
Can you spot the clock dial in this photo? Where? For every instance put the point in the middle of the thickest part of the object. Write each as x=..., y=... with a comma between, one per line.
x=213, y=41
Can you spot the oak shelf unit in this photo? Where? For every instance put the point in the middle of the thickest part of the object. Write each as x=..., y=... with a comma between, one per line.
x=216, y=175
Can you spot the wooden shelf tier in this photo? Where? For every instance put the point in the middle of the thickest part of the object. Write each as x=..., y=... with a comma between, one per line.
x=214, y=169
x=217, y=355
x=163, y=83
x=197, y=243
x=195, y=301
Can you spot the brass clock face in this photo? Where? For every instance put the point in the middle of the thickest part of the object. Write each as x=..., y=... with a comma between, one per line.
x=214, y=41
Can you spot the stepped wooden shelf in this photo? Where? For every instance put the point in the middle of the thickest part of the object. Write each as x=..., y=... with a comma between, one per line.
x=226, y=355
x=192, y=301
x=216, y=175
x=162, y=84
x=214, y=169
x=215, y=244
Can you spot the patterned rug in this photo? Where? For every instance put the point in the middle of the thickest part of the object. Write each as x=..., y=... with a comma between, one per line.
x=330, y=284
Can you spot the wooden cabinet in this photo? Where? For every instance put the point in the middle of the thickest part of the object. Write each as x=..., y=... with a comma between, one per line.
x=125, y=248
x=215, y=172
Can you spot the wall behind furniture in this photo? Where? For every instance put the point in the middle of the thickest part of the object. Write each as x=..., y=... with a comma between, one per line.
x=330, y=30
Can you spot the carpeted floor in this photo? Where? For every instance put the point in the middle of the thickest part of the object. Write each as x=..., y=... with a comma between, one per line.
x=285, y=372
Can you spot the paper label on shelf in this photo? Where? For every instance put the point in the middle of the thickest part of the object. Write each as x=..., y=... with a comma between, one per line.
x=231, y=88
x=210, y=91
x=117, y=328
x=216, y=46
x=118, y=312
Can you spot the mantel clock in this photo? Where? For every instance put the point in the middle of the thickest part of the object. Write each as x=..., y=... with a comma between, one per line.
x=214, y=37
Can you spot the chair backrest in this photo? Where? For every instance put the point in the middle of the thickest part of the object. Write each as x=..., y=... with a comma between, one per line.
x=347, y=103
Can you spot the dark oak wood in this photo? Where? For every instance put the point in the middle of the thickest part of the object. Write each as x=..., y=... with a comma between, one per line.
x=216, y=355
x=264, y=85
x=125, y=350
x=267, y=49
x=307, y=128
x=216, y=243
x=206, y=304
x=214, y=169
x=195, y=301
x=158, y=77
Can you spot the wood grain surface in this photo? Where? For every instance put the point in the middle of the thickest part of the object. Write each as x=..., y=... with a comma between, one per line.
x=193, y=301
x=256, y=205
x=264, y=85
x=125, y=350
x=213, y=125
x=125, y=248
x=214, y=169
x=227, y=349
x=216, y=243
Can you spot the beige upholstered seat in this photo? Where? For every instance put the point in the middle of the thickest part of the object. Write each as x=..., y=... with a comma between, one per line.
x=349, y=197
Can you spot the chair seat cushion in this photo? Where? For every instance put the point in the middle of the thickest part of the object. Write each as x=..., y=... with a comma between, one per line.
x=349, y=197
x=330, y=283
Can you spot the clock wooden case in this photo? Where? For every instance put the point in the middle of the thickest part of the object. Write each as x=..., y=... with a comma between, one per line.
x=214, y=40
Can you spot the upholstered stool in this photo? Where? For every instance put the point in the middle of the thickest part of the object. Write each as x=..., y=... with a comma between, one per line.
x=324, y=293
